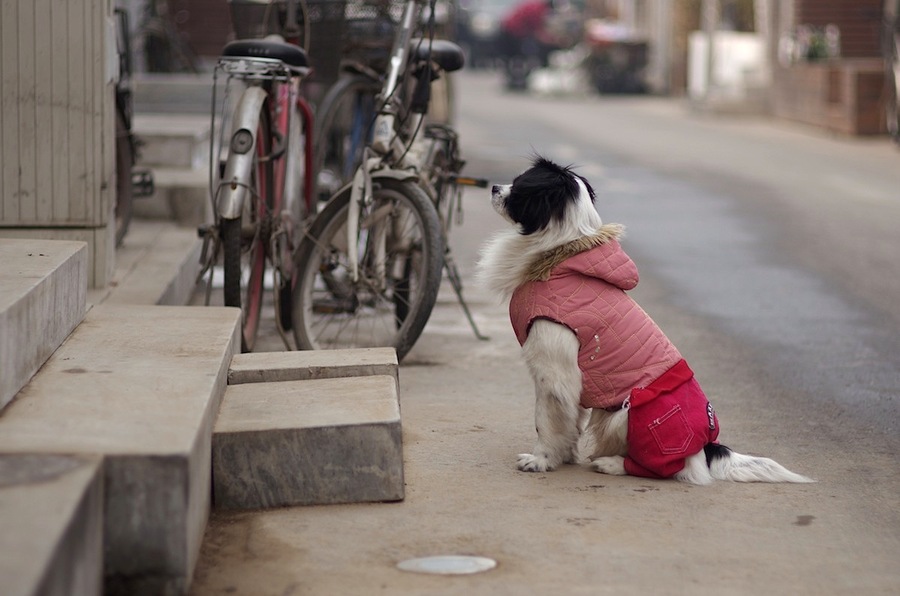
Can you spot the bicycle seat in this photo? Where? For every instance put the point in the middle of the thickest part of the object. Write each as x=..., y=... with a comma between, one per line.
x=445, y=54
x=292, y=55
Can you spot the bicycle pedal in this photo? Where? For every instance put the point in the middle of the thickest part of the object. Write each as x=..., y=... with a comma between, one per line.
x=468, y=181
x=142, y=182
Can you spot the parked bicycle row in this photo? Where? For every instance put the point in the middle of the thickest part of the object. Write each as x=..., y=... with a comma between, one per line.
x=346, y=203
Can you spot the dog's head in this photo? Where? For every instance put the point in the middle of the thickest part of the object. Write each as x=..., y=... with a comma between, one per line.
x=548, y=200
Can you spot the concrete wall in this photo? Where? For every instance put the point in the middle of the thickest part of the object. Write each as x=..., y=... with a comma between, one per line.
x=58, y=67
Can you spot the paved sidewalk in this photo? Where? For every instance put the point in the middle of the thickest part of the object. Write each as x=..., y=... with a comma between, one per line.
x=467, y=410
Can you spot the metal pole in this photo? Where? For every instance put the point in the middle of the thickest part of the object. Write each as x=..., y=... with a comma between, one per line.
x=710, y=17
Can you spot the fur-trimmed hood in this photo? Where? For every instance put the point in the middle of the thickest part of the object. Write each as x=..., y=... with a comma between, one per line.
x=510, y=259
x=541, y=268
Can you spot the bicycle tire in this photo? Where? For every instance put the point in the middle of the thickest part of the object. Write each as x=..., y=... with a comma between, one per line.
x=294, y=203
x=124, y=192
x=342, y=130
x=244, y=254
x=330, y=311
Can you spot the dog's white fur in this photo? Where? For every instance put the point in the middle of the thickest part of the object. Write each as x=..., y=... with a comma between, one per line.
x=551, y=355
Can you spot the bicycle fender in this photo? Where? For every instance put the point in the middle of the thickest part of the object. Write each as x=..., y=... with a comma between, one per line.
x=233, y=188
x=394, y=174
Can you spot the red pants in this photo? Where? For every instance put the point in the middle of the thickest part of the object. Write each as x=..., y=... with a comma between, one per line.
x=668, y=421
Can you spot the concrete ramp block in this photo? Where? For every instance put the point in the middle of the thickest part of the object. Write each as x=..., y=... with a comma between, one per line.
x=141, y=386
x=43, y=296
x=268, y=367
x=51, y=515
x=312, y=442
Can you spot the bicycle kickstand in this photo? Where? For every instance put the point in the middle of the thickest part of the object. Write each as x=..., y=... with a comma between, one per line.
x=456, y=282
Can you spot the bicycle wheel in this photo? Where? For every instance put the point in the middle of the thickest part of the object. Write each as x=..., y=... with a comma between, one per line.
x=342, y=129
x=331, y=311
x=244, y=241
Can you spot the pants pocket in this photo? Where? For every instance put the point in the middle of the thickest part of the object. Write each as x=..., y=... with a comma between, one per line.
x=672, y=432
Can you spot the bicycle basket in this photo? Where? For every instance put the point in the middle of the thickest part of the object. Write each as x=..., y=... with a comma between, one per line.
x=259, y=18
x=369, y=32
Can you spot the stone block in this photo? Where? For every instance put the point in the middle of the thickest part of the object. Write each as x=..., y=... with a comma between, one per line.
x=51, y=512
x=101, y=249
x=141, y=386
x=312, y=442
x=267, y=367
x=43, y=296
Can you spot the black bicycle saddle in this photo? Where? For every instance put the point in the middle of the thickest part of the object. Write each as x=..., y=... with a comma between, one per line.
x=288, y=53
x=445, y=54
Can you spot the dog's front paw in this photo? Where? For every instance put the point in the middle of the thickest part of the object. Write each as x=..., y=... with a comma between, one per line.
x=534, y=463
x=613, y=465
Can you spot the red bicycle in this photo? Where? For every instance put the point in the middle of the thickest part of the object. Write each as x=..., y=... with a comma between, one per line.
x=260, y=159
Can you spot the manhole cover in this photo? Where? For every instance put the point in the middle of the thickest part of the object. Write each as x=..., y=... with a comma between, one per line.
x=448, y=565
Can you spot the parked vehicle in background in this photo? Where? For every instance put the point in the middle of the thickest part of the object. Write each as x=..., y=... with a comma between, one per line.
x=478, y=30
x=618, y=57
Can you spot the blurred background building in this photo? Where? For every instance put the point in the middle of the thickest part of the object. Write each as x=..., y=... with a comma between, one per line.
x=821, y=62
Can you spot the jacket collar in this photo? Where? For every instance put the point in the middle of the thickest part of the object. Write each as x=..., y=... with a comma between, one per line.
x=541, y=268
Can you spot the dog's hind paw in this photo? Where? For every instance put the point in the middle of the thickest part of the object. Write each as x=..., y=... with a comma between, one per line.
x=533, y=463
x=613, y=465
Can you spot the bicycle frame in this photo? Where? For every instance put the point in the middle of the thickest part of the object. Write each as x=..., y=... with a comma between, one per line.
x=385, y=141
x=371, y=263
x=229, y=193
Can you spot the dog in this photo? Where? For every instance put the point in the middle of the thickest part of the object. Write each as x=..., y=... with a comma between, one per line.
x=605, y=375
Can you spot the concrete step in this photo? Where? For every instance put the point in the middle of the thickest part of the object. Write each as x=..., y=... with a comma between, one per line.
x=139, y=385
x=173, y=140
x=173, y=93
x=176, y=148
x=313, y=442
x=157, y=263
x=180, y=195
x=267, y=367
x=51, y=512
x=43, y=296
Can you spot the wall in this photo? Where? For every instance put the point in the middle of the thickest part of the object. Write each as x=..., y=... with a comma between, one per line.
x=859, y=21
x=844, y=95
x=56, y=124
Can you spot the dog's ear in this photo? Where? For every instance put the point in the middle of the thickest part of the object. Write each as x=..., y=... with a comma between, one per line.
x=590, y=189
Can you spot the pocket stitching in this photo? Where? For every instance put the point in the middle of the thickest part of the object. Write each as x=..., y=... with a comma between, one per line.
x=656, y=425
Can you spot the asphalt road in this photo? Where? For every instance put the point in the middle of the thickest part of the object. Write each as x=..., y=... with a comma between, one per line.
x=768, y=253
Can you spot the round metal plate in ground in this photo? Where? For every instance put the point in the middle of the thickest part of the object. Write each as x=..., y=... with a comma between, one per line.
x=448, y=565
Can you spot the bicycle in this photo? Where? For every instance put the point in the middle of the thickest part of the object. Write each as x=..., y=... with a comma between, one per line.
x=132, y=181
x=258, y=188
x=370, y=265
x=163, y=48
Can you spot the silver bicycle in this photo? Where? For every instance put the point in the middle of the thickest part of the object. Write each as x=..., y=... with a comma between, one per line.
x=370, y=265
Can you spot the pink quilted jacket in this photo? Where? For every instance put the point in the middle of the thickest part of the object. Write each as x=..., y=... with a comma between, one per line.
x=621, y=347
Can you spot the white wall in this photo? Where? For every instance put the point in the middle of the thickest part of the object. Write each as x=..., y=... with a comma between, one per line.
x=739, y=64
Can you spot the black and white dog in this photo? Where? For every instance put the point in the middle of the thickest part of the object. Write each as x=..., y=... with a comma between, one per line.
x=601, y=367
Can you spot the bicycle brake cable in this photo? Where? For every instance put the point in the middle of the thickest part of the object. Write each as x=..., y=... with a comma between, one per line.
x=428, y=73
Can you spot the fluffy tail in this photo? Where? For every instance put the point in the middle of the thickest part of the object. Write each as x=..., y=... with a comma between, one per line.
x=725, y=464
